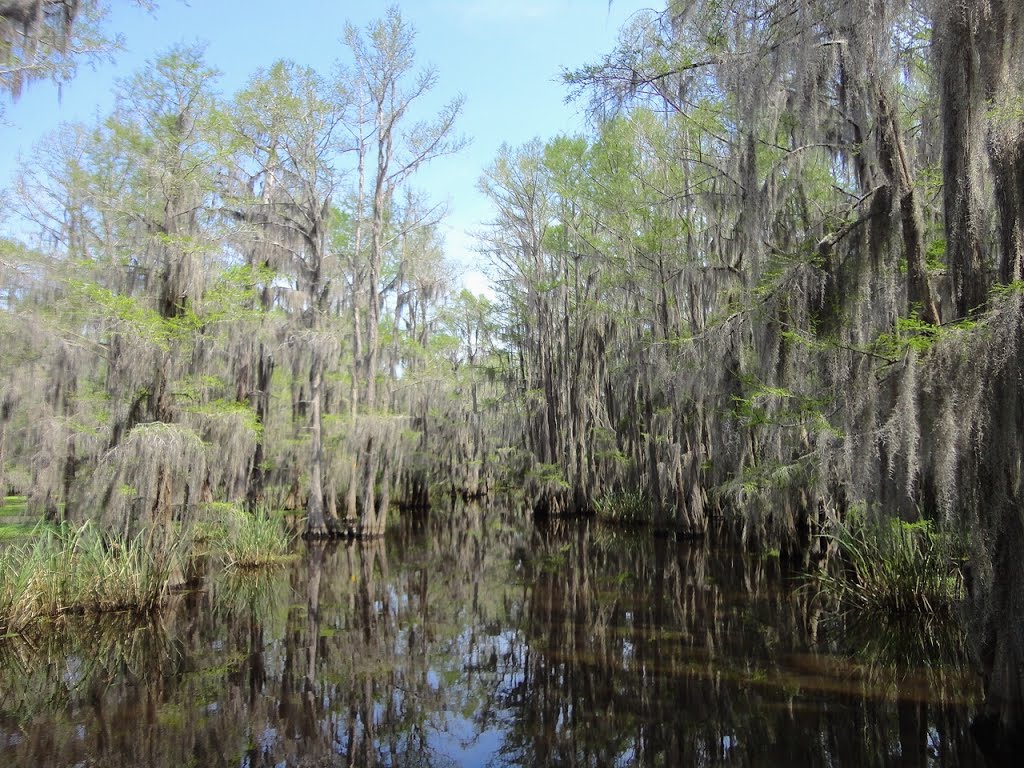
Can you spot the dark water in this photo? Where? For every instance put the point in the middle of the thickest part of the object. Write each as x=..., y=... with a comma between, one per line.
x=468, y=640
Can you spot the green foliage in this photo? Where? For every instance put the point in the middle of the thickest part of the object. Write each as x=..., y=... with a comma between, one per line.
x=239, y=414
x=914, y=334
x=766, y=405
x=1014, y=288
x=128, y=314
x=935, y=254
x=624, y=508
x=232, y=296
x=892, y=568
x=548, y=476
x=767, y=477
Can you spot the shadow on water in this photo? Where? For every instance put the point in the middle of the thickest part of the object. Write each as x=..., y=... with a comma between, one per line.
x=467, y=639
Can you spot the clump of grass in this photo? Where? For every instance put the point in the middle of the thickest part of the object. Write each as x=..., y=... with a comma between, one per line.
x=895, y=568
x=253, y=539
x=624, y=508
x=62, y=571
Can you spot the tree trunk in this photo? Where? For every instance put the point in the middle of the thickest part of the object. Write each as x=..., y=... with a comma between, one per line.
x=1008, y=169
x=316, y=525
x=897, y=168
x=260, y=402
x=962, y=103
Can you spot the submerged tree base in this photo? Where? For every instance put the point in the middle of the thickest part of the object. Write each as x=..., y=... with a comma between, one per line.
x=333, y=531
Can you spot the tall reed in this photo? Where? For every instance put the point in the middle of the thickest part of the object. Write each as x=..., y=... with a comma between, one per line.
x=81, y=570
x=253, y=539
x=895, y=568
x=624, y=508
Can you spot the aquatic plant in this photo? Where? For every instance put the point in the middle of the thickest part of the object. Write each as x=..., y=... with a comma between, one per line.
x=624, y=507
x=894, y=568
x=253, y=539
x=80, y=570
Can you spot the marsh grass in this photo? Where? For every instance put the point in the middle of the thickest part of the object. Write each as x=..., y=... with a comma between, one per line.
x=78, y=570
x=624, y=508
x=252, y=539
x=895, y=568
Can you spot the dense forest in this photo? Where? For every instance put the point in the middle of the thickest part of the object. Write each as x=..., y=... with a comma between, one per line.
x=780, y=283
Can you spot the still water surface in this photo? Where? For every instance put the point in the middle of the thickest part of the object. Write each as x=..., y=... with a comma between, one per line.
x=466, y=639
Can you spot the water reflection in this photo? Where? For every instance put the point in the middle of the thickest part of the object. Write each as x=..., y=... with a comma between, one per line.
x=469, y=640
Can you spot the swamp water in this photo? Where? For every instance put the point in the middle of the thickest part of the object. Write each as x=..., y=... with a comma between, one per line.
x=468, y=640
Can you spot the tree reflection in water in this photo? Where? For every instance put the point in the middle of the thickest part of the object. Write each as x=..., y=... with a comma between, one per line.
x=465, y=639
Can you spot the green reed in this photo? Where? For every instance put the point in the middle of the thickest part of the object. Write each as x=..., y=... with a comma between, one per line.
x=253, y=539
x=624, y=508
x=895, y=568
x=80, y=570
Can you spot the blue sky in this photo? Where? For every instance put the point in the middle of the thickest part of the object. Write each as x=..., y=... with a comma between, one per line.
x=505, y=57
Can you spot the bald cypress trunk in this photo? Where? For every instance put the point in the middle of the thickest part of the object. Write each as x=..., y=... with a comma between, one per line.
x=893, y=153
x=259, y=400
x=1008, y=170
x=6, y=406
x=962, y=100
x=1002, y=50
x=316, y=524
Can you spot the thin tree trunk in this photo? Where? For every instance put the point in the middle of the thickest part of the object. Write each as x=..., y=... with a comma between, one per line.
x=316, y=525
x=1008, y=169
x=897, y=167
x=260, y=402
x=380, y=202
